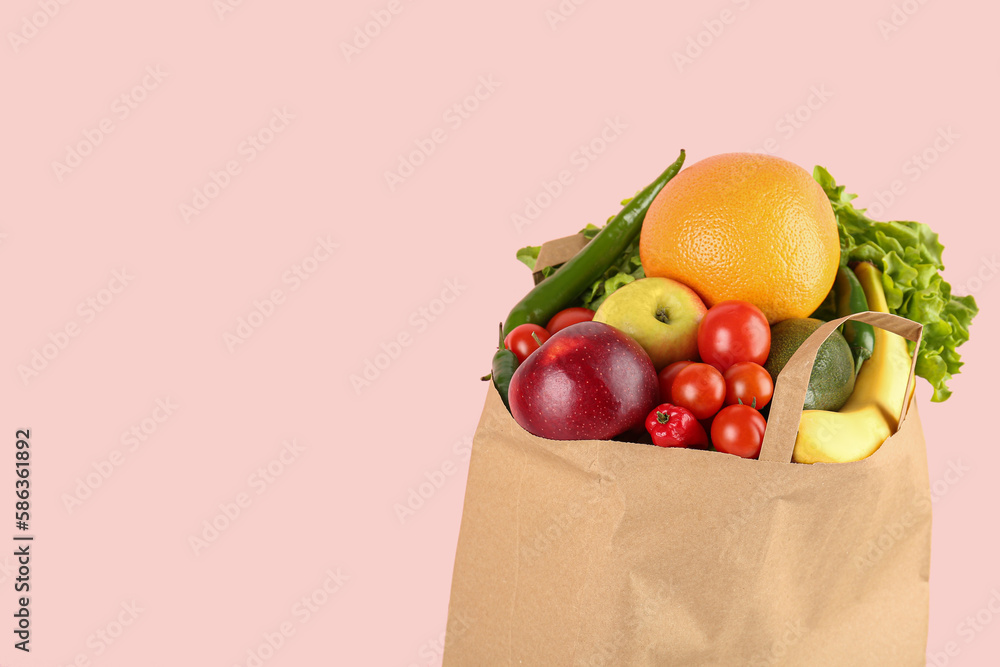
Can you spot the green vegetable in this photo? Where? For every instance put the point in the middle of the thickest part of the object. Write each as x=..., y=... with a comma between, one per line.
x=850, y=299
x=909, y=256
x=568, y=284
x=504, y=365
x=626, y=269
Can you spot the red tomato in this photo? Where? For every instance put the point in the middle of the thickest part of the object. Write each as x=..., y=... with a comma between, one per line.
x=739, y=430
x=667, y=376
x=699, y=388
x=748, y=383
x=731, y=332
x=521, y=341
x=565, y=318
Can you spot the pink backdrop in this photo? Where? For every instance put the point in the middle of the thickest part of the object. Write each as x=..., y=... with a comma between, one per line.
x=199, y=247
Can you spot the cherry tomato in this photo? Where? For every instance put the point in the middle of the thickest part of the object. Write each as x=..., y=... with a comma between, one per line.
x=667, y=376
x=565, y=318
x=731, y=332
x=699, y=388
x=739, y=430
x=521, y=341
x=748, y=383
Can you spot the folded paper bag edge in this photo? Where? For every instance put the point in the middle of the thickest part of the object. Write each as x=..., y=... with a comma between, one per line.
x=556, y=252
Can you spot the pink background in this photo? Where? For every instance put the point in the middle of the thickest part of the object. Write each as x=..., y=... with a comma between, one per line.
x=446, y=230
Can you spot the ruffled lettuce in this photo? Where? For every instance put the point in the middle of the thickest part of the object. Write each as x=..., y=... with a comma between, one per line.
x=909, y=256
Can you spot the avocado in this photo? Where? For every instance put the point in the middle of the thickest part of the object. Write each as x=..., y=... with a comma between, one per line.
x=832, y=378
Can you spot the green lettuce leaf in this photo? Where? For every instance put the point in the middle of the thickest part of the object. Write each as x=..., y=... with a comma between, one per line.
x=529, y=255
x=909, y=255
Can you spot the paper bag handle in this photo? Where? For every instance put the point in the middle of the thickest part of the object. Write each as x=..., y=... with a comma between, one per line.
x=558, y=251
x=793, y=380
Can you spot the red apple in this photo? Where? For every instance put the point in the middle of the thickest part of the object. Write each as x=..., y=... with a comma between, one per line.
x=589, y=381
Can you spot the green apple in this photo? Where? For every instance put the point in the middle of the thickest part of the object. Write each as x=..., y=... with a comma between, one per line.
x=661, y=314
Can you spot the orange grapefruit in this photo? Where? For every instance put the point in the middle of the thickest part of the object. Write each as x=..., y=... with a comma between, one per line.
x=745, y=226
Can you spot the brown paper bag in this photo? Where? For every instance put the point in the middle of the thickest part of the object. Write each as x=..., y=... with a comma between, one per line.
x=614, y=553
x=556, y=252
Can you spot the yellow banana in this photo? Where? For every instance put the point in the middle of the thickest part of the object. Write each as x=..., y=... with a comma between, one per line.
x=871, y=414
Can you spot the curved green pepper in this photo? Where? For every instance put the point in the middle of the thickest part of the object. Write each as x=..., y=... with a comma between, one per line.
x=850, y=299
x=504, y=364
x=561, y=288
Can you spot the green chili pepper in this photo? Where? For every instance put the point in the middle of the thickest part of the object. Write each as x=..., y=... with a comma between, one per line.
x=559, y=290
x=504, y=364
x=850, y=298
